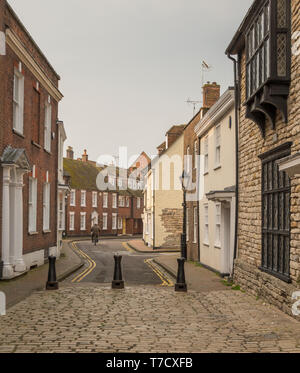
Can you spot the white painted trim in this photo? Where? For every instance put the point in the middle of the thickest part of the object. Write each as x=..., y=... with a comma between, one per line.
x=2, y=44
x=217, y=111
x=17, y=46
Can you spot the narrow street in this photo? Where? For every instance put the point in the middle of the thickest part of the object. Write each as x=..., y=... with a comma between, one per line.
x=86, y=315
x=135, y=270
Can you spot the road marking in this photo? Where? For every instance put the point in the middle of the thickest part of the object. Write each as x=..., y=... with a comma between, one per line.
x=89, y=269
x=157, y=271
x=127, y=247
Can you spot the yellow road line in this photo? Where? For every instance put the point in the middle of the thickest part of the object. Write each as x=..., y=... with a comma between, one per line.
x=127, y=247
x=164, y=279
x=87, y=271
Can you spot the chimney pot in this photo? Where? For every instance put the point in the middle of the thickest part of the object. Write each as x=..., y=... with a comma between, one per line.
x=70, y=152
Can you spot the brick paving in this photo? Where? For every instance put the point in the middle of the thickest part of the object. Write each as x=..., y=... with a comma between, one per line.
x=93, y=318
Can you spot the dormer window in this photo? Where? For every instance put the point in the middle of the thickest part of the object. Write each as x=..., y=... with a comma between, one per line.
x=268, y=61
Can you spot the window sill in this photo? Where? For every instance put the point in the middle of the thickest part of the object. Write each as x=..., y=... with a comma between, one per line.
x=16, y=132
x=82, y=230
x=218, y=246
x=206, y=244
x=217, y=167
x=36, y=144
x=206, y=173
x=47, y=151
x=45, y=231
x=33, y=233
x=72, y=205
x=82, y=205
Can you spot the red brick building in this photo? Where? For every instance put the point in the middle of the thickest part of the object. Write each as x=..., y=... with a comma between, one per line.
x=117, y=210
x=28, y=148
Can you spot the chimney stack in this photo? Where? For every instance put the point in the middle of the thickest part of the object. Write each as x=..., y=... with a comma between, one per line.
x=85, y=157
x=70, y=152
x=211, y=94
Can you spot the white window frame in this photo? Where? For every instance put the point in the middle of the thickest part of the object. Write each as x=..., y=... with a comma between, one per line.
x=187, y=224
x=94, y=215
x=218, y=146
x=114, y=201
x=195, y=153
x=120, y=223
x=46, y=206
x=114, y=220
x=73, y=197
x=83, y=220
x=195, y=225
x=138, y=203
x=18, y=102
x=104, y=220
x=121, y=201
x=105, y=200
x=94, y=199
x=127, y=201
x=218, y=225
x=48, y=126
x=206, y=225
x=206, y=158
x=188, y=160
x=72, y=221
x=83, y=198
x=61, y=212
x=32, y=205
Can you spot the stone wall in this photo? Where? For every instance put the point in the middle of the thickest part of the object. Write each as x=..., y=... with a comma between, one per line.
x=251, y=145
x=171, y=219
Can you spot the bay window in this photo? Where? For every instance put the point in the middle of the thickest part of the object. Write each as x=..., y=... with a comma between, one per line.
x=268, y=62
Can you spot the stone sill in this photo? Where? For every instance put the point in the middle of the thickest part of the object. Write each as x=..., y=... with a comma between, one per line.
x=46, y=231
x=16, y=132
x=33, y=233
x=36, y=144
x=217, y=167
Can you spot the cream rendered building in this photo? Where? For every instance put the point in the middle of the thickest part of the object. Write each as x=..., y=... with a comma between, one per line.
x=216, y=131
x=163, y=193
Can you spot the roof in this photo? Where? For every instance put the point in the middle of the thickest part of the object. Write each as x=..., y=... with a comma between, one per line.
x=83, y=174
x=177, y=129
x=238, y=41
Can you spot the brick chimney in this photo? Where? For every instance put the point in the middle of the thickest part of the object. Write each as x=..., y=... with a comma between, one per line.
x=211, y=94
x=70, y=152
x=85, y=157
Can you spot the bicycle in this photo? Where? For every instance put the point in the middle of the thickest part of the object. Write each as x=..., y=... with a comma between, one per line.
x=95, y=239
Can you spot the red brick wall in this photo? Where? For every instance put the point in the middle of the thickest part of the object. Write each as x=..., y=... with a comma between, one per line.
x=122, y=212
x=37, y=155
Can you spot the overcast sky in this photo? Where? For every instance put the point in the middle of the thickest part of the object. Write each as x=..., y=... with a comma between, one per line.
x=128, y=66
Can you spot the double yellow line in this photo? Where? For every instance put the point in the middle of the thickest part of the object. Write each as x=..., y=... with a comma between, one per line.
x=156, y=270
x=89, y=269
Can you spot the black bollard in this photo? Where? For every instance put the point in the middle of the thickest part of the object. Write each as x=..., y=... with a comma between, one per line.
x=180, y=284
x=52, y=283
x=118, y=282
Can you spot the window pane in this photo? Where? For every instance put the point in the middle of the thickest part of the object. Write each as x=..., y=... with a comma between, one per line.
x=267, y=59
x=281, y=13
x=281, y=55
x=267, y=18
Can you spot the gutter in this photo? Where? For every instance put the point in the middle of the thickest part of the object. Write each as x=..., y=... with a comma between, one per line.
x=236, y=104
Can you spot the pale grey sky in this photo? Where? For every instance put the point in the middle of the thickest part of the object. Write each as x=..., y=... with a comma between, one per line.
x=128, y=66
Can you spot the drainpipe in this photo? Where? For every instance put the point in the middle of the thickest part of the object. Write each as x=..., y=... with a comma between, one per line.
x=236, y=104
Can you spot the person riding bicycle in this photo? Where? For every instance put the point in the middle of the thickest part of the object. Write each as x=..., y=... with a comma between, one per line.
x=95, y=231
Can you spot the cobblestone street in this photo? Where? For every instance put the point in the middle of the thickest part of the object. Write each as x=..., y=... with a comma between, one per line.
x=93, y=318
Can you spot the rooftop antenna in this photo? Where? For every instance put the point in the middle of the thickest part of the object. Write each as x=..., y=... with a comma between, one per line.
x=205, y=67
x=194, y=103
